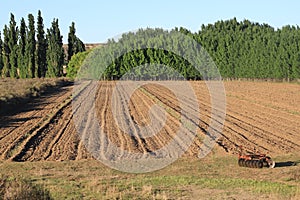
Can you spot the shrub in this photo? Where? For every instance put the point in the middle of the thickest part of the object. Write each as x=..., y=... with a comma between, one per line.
x=75, y=63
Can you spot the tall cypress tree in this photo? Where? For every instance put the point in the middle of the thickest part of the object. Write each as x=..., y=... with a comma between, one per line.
x=41, y=47
x=13, y=46
x=6, y=53
x=1, y=57
x=71, y=41
x=55, y=51
x=30, y=47
x=75, y=45
x=21, y=50
x=80, y=47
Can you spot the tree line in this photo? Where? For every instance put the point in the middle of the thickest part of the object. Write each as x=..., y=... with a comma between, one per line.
x=27, y=51
x=164, y=56
x=239, y=49
x=252, y=50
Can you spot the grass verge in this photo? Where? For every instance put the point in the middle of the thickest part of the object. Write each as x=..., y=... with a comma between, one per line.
x=209, y=178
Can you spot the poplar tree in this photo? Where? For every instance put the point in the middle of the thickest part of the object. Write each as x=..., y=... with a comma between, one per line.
x=21, y=50
x=55, y=51
x=1, y=57
x=41, y=47
x=30, y=48
x=13, y=47
x=75, y=45
x=5, y=52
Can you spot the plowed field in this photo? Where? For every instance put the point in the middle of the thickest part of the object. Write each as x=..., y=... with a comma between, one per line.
x=260, y=116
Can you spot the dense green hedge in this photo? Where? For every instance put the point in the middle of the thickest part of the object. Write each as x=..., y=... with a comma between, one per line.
x=252, y=50
x=239, y=50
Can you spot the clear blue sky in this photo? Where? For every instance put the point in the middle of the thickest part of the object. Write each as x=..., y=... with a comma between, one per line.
x=97, y=21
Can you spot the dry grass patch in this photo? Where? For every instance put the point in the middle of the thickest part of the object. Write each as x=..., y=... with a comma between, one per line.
x=14, y=90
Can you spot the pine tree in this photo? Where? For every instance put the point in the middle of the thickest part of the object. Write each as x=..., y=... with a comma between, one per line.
x=30, y=48
x=21, y=50
x=55, y=51
x=41, y=48
x=6, y=53
x=13, y=46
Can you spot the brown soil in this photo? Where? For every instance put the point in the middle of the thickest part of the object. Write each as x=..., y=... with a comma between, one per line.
x=260, y=116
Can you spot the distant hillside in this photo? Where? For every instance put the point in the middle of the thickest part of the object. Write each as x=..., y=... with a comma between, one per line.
x=93, y=45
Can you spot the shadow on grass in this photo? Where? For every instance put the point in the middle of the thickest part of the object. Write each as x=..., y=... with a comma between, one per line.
x=287, y=163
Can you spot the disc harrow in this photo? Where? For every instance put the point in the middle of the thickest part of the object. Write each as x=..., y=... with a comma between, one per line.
x=253, y=160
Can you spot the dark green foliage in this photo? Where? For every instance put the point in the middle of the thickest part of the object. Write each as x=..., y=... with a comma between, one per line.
x=22, y=65
x=239, y=49
x=30, y=48
x=75, y=45
x=6, y=53
x=251, y=50
x=1, y=55
x=24, y=52
x=144, y=55
x=13, y=47
x=71, y=41
x=41, y=47
x=55, y=51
